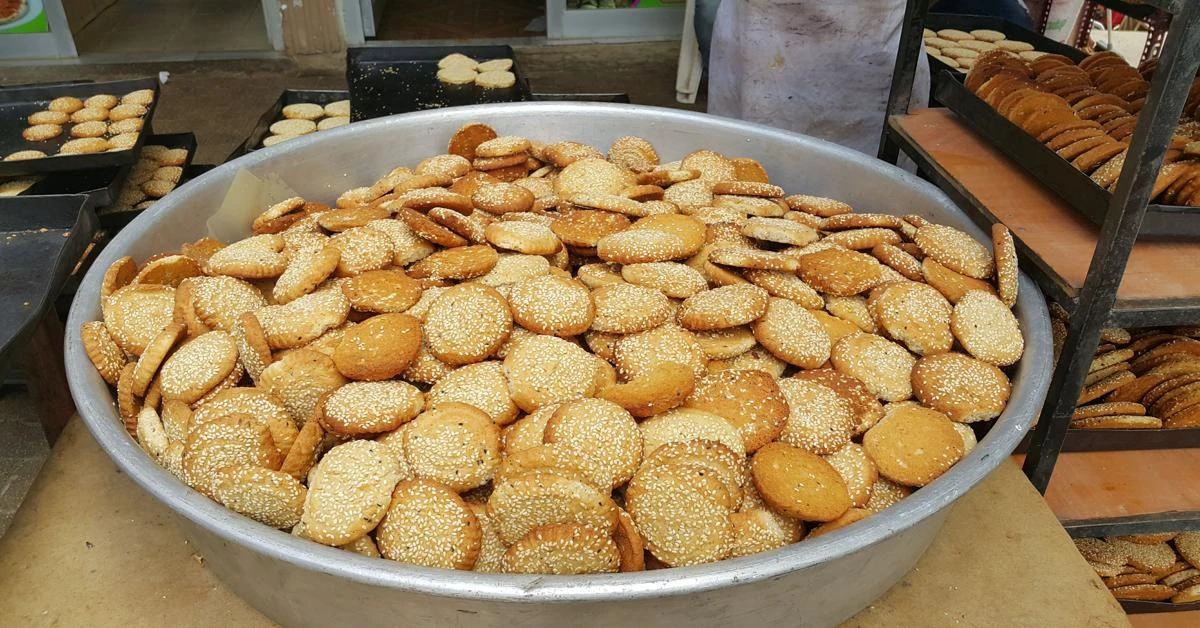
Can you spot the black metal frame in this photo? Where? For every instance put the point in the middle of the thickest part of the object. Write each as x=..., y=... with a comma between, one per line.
x=1095, y=304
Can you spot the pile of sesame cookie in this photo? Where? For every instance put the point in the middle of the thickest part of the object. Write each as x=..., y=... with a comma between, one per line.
x=1147, y=567
x=1139, y=379
x=535, y=358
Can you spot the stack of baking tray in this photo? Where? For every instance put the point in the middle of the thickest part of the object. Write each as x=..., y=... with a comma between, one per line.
x=386, y=80
x=116, y=219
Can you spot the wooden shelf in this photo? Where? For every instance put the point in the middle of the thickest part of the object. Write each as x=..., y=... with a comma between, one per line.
x=1133, y=485
x=1057, y=240
x=1179, y=619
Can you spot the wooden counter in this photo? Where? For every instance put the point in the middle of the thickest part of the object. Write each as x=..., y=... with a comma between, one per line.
x=89, y=548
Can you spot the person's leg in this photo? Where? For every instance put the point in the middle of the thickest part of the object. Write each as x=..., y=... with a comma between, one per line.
x=1010, y=10
x=706, y=16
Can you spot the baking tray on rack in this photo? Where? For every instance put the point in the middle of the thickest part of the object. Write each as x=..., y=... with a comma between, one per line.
x=591, y=97
x=1057, y=174
x=1140, y=606
x=273, y=114
x=17, y=103
x=114, y=220
x=968, y=23
x=42, y=238
x=386, y=80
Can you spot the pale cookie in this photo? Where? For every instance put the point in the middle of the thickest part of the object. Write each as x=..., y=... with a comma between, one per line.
x=502, y=198
x=512, y=268
x=675, y=280
x=304, y=274
x=303, y=111
x=482, y=385
x=857, y=471
x=723, y=307
x=780, y=230
x=899, y=260
x=817, y=205
x=293, y=127
x=682, y=516
x=799, y=484
x=84, y=146
x=299, y=379
x=304, y=319
x=987, y=329
x=349, y=492
x=885, y=494
x=625, y=308
x=602, y=434
x=853, y=309
x=332, y=123
x=552, y=305
x=791, y=333
x=496, y=79
x=544, y=369
x=956, y=250
x=883, y=366
x=634, y=153
x=363, y=408
x=723, y=344
x=756, y=358
x=427, y=524
x=637, y=246
x=913, y=445
x=687, y=424
x=866, y=407
x=455, y=444
x=271, y=497
x=526, y=501
x=523, y=237
x=819, y=420
x=229, y=440
x=528, y=431
x=467, y=323
x=641, y=354
x=256, y=257
x=914, y=314
x=965, y=389
x=563, y=549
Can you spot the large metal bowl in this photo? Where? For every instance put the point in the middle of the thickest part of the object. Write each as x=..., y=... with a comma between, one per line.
x=296, y=582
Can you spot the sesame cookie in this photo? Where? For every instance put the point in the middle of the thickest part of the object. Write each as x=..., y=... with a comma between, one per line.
x=299, y=379
x=853, y=309
x=914, y=314
x=563, y=549
x=987, y=328
x=360, y=408
x=523, y=237
x=455, y=444
x=467, y=323
x=362, y=249
x=866, y=407
x=349, y=492
x=84, y=146
x=913, y=445
x=682, y=515
x=857, y=471
x=749, y=399
x=652, y=394
x=545, y=369
x=625, y=308
x=102, y=350
x=780, y=230
x=134, y=314
x=798, y=483
x=304, y=274
x=427, y=524
x=819, y=419
x=152, y=358
x=965, y=389
x=723, y=344
x=268, y=496
x=687, y=424
x=791, y=333
x=956, y=250
x=304, y=319
x=641, y=354
x=723, y=307
x=229, y=440
x=303, y=111
x=526, y=501
x=379, y=348
x=95, y=128
x=883, y=366
x=602, y=433
x=552, y=305
x=952, y=285
x=89, y=114
x=482, y=385
x=256, y=257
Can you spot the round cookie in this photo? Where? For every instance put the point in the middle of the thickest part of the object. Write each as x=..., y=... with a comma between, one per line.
x=526, y=501
x=914, y=314
x=563, y=549
x=454, y=444
x=913, y=445
x=544, y=369
x=955, y=250
x=749, y=399
x=467, y=323
x=482, y=385
x=965, y=389
x=624, y=308
x=987, y=329
x=791, y=333
x=667, y=498
x=723, y=307
x=883, y=366
x=602, y=434
x=303, y=111
x=427, y=524
x=819, y=419
x=552, y=305
x=798, y=483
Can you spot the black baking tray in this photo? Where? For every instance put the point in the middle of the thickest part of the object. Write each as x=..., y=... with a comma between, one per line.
x=591, y=97
x=387, y=80
x=1140, y=606
x=16, y=103
x=262, y=128
x=1075, y=187
x=101, y=184
x=116, y=220
x=42, y=238
x=968, y=23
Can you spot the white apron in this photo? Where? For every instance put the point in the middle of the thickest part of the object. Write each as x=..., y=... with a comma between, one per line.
x=819, y=68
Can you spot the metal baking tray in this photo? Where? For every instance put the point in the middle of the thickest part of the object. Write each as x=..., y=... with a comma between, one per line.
x=187, y=141
x=968, y=23
x=18, y=102
x=1140, y=606
x=400, y=79
x=1075, y=187
x=100, y=184
x=1125, y=440
x=262, y=128
x=41, y=240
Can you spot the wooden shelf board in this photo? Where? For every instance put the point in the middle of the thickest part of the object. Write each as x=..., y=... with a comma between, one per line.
x=1049, y=228
x=1097, y=484
x=1180, y=619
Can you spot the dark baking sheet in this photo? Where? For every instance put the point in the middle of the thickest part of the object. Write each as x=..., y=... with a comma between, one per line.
x=101, y=184
x=1125, y=440
x=1075, y=187
x=968, y=23
x=262, y=128
x=42, y=238
x=17, y=103
x=1139, y=606
x=116, y=220
x=400, y=79
x=597, y=97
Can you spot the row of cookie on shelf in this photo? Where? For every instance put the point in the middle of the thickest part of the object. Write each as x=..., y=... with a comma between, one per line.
x=1144, y=379
x=1147, y=567
x=1086, y=115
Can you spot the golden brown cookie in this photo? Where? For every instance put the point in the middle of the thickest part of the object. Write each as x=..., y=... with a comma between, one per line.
x=482, y=385
x=104, y=353
x=965, y=389
x=682, y=515
x=913, y=445
x=625, y=308
x=914, y=314
x=798, y=483
x=840, y=272
x=545, y=369
x=427, y=524
x=819, y=419
x=467, y=323
x=956, y=250
x=749, y=399
x=883, y=366
x=791, y=333
x=379, y=348
x=987, y=328
x=552, y=305
x=723, y=307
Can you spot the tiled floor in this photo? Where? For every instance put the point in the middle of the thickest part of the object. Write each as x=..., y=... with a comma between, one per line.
x=23, y=448
x=460, y=19
x=176, y=26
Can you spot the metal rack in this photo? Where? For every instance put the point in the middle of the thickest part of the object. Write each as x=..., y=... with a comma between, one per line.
x=1093, y=302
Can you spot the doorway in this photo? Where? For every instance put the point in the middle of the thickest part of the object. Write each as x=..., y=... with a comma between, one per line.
x=167, y=27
